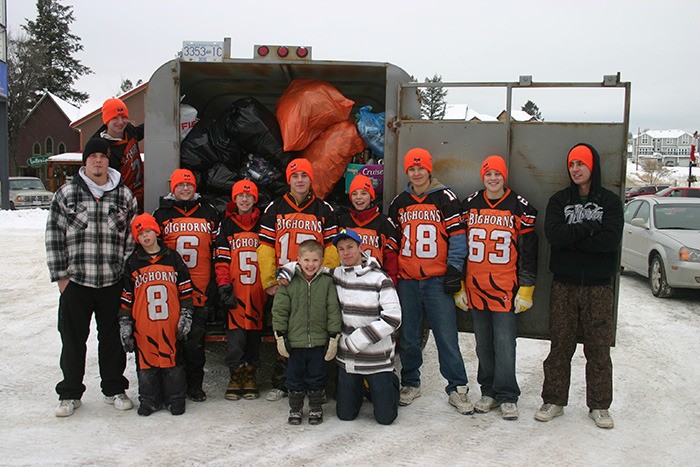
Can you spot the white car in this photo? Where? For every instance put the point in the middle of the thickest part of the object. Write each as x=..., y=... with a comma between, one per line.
x=661, y=241
x=29, y=193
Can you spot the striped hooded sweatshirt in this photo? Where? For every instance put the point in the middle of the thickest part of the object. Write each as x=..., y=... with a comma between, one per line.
x=371, y=315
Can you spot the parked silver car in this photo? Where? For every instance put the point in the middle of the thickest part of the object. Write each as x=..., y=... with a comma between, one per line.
x=661, y=241
x=29, y=193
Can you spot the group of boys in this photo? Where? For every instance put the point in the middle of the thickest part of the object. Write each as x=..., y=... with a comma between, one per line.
x=338, y=295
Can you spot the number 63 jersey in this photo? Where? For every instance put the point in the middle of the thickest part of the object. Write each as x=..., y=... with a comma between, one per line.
x=155, y=288
x=502, y=246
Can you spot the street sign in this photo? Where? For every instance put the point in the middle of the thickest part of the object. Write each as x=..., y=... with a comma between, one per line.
x=3, y=79
x=37, y=161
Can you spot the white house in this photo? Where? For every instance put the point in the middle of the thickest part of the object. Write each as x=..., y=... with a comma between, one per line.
x=672, y=147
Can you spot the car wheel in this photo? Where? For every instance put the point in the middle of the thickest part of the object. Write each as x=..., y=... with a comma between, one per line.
x=12, y=206
x=657, y=278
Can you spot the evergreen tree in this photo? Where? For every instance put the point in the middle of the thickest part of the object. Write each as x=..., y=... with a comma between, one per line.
x=127, y=85
x=50, y=32
x=24, y=71
x=531, y=109
x=433, y=105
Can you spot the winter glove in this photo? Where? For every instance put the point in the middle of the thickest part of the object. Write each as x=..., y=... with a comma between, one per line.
x=126, y=333
x=281, y=345
x=523, y=299
x=453, y=279
x=284, y=275
x=332, y=348
x=226, y=296
x=461, y=297
x=185, y=323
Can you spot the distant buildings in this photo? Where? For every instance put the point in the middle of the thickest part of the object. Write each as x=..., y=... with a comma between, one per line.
x=672, y=147
x=463, y=112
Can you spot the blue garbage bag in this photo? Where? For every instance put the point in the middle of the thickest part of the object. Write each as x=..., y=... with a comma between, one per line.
x=371, y=128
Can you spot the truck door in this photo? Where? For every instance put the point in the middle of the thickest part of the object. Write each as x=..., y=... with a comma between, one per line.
x=535, y=153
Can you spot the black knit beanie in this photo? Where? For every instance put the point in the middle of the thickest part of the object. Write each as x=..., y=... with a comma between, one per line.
x=94, y=145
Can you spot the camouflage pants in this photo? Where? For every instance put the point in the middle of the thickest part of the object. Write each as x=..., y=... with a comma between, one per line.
x=591, y=308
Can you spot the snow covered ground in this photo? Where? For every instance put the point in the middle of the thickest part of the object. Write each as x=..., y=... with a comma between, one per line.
x=656, y=403
x=676, y=176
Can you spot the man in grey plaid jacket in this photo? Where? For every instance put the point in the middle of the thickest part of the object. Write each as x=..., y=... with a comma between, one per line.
x=87, y=243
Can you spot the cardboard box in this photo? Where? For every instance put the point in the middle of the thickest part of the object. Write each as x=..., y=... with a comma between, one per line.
x=374, y=171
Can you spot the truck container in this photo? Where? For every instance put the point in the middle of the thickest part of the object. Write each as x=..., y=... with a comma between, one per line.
x=534, y=151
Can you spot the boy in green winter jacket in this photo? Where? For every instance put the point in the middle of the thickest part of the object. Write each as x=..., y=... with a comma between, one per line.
x=306, y=320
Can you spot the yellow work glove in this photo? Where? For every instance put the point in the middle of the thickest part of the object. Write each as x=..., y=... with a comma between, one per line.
x=461, y=297
x=523, y=299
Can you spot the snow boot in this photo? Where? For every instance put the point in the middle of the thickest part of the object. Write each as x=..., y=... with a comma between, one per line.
x=296, y=404
x=315, y=406
x=250, y=387
x=235, y=385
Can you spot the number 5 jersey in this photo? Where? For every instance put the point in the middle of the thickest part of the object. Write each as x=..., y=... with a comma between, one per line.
x=236, y=263
x=155, y=288
x=502, y=247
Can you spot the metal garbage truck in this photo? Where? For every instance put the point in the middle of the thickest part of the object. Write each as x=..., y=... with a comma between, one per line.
x=207, y=78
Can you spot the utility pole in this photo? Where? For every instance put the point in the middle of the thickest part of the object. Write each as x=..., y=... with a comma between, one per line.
x=4, y=144
x=693, y=159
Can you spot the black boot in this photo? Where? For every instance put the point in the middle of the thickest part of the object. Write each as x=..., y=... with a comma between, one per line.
x=296, y=404
x=315, y=409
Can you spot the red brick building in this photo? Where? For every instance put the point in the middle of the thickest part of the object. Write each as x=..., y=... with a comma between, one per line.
x=45, y=131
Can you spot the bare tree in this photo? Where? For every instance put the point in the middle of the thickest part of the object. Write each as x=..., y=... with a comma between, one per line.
x=653, y=171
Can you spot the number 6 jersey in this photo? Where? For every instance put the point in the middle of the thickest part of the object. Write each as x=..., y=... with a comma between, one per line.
x=155, y=288
x=502, y=249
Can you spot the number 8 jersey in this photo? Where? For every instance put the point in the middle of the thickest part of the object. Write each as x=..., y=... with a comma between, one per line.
x=155, y=288
x=425, y=224
x=502, y=247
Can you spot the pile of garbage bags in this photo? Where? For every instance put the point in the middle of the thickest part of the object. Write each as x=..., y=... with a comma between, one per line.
x=247, y=140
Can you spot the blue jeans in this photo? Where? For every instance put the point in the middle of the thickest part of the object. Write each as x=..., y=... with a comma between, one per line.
x=306, y=369
x=495, y=334
x=428, y=297
x=384, y=391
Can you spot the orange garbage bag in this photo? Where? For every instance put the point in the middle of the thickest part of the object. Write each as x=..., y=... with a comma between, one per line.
x=330, y=154
x=306, y=108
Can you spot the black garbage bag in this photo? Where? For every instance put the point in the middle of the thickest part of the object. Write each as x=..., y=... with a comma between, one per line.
x=255, y=129
x=208, y=143
x=219, y=179
x=218, y=202
x=196, y=151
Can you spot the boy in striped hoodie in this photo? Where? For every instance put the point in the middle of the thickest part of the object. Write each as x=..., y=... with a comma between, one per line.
x=371, y=315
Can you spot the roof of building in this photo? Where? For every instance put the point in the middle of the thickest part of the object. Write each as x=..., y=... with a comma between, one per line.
x=85, y=116
x=68, y=109
x=663, y=133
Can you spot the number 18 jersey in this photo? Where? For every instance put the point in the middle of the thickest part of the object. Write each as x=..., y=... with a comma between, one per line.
x=425, y=225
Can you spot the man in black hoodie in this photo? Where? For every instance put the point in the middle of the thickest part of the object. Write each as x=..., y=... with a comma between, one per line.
x=583, y=224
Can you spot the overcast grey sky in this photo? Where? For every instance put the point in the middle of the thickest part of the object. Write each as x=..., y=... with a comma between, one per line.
x=654, y=44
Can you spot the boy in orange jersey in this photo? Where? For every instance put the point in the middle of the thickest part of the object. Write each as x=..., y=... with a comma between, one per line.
x=378, y=233
x=431, y=259
x=501, y=273
x=189, y=226
x=156, y=311
x=123, y=137
x=286, y=223
x=240, y=289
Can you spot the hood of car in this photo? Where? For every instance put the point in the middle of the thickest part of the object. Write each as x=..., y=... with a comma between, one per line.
x=31, y=193
x=690, y=238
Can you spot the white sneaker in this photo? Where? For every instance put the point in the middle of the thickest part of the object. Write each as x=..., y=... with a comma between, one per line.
x=548, y=412
x=485, y=404
x=275, y=395
x=408, y=394
x=509, y=411
x=460, y=400
x=66, y=407
x=601, y=417
x=120, y=401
